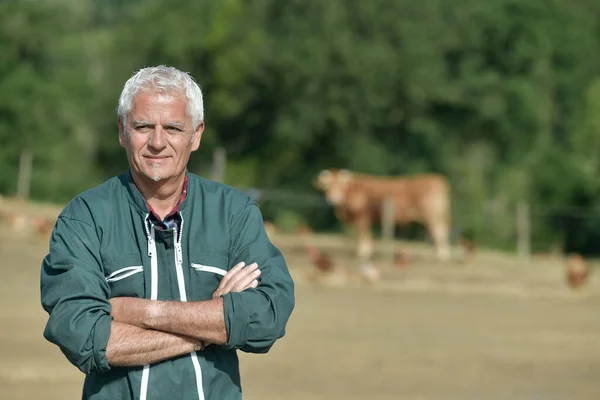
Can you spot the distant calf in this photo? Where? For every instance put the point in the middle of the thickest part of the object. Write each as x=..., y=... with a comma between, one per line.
x=577, y=270
x=359, y=199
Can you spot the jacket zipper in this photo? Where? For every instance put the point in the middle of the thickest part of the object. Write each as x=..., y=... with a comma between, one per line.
x=183, y=298
x=124, y=273
x=153, y=294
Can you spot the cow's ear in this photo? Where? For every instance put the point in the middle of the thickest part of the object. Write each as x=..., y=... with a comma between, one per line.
x=325, y=177
x=345, y=175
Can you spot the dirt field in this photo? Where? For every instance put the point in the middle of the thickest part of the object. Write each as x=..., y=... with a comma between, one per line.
x=494, y=329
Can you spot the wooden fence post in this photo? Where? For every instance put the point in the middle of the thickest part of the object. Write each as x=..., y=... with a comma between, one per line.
x=24, y=179
x=219, y=164
x=523, y=230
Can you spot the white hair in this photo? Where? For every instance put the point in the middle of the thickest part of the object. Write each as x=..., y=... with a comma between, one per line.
x=167, y=80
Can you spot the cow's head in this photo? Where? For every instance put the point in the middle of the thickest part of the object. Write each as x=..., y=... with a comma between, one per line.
x=333, y=182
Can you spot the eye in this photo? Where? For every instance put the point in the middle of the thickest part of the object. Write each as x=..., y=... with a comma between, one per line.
x=142, y=128
x=174, y=129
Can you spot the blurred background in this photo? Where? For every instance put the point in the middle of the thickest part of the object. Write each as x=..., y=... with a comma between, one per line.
x=500, y=96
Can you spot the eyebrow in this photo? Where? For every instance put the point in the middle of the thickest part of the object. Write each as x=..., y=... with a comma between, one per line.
x=173, y=124
x=141, y=122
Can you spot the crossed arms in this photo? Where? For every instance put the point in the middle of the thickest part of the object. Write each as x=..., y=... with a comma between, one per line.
x=96, y=333
x=148, y=331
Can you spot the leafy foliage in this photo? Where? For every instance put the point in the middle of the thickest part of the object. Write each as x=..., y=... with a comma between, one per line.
x=502, y=96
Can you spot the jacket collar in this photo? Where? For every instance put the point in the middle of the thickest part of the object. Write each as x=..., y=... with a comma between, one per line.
x=136, y=197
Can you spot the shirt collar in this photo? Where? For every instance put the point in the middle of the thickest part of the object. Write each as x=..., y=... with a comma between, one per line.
x=177, y=207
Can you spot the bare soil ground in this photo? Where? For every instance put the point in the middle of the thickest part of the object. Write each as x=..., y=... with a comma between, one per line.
x=493, y=329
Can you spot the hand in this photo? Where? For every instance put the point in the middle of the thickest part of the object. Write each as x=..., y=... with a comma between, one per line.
x=238, y=279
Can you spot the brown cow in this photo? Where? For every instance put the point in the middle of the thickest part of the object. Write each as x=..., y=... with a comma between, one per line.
x=577, y=271
x=359, y=199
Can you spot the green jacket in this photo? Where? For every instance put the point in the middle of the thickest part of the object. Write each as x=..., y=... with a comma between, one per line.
x=102, y=247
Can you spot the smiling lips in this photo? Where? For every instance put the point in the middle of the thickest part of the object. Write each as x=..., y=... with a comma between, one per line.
x=155, y=161
x=156, y=158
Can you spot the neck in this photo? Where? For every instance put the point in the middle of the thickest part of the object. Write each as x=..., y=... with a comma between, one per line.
x=162, y=195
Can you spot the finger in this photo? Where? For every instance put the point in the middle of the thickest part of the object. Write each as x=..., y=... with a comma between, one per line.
x=229, y=279
x=219, y=290
x=240, y=275
x=231, y=273
x=243, y=283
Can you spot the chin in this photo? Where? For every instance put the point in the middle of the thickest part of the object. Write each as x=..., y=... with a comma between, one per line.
x=157, y=174
x=154, y=176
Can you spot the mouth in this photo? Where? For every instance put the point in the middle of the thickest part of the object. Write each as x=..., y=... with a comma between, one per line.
x=156, y=158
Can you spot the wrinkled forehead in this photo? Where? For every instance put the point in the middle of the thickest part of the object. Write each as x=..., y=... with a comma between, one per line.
x=158, y=94
x=152, y=106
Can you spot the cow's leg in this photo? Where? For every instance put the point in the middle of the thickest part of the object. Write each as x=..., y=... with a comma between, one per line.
x=365, y=241
x=440, y=234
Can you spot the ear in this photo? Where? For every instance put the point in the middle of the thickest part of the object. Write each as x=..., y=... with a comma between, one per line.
x=122, y=133
x=345, y=175
x=325, y=177
x=197, y=136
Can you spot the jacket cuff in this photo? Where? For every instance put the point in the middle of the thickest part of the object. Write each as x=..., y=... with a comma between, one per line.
x=101, y=336
x=236, y=320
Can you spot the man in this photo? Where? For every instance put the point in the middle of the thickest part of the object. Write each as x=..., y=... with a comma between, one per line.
x=155, y=278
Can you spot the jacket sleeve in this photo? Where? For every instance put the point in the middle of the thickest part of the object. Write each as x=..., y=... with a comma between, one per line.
x=75, y=295
x=256, y=318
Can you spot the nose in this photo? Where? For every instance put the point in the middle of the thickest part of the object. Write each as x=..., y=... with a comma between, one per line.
x=157, y=140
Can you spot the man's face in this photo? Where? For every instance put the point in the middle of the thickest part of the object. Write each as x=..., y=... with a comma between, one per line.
x=159, y=136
